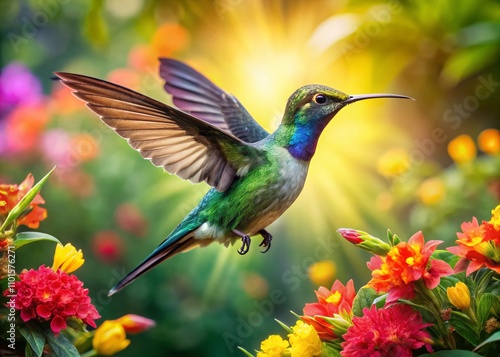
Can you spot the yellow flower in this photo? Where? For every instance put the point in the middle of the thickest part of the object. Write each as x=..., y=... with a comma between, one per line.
x=431, y=191
x=322, y=273
x=495, y=217
x=304, y=340
x=393, y=163
x=67, y=258
x=489, y=141
x=110, y=338
x=462, y=149
x=459, y=295
x=273, y=346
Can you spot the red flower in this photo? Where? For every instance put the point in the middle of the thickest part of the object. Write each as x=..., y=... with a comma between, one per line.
x=130, y=219
x=337, y=300
x=405, y=264
x=394, y=331
x=10, y=195
x=107, y=246
x=46, y=295
x=479, y=245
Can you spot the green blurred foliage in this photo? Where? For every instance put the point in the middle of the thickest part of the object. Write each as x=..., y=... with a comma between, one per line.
x=207, y=302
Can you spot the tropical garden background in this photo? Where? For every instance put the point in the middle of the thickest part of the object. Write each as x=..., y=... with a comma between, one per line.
x=423, y=165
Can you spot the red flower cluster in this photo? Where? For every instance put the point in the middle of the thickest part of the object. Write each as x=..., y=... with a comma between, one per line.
x=56, y=296
x=394, y=331
x=337, y=300
x=404, y=264
x=479, y=245
x=10, y=195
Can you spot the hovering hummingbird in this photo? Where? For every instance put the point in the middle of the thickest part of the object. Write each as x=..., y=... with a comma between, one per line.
x=255, y=176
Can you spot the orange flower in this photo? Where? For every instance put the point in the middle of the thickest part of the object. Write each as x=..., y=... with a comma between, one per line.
x=24, y=126
x=405, y=264
x=462, y=149
x=10, y=195
x=489, y=141
x=479, y=245
x=169, y=38
x=337, y=300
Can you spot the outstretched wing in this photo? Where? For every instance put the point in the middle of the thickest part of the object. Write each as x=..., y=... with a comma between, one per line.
x=193, y=93
x=180, y=143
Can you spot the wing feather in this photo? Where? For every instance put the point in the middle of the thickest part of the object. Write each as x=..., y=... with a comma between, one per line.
x=177, y=141
x=196, y=94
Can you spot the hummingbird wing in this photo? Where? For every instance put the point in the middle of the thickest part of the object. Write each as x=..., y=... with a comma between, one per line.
x=180, y=143
x=194, y=93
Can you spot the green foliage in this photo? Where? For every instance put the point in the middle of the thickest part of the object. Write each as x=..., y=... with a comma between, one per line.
x=60, y=345
x=24, y=238
x=364, y=298
x=35, y=338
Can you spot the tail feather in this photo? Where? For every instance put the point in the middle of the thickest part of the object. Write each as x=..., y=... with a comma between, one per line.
x=170, y=247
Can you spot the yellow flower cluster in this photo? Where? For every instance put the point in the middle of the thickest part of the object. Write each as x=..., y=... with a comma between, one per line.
x=304, y=342
x=273, y=346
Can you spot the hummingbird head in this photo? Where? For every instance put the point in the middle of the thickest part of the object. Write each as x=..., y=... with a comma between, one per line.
x=309, y=110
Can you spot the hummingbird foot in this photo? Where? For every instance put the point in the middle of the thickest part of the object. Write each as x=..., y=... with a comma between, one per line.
x=245, y=239
x=266, y=242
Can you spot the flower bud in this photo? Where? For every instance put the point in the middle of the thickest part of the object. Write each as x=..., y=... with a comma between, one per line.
x=459, y=295
x=134, y=323
x=67, y=258
x=110, y=338
x=365, y=241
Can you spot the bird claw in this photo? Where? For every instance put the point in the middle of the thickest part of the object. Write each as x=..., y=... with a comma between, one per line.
x=245, y=246
x=266, y=242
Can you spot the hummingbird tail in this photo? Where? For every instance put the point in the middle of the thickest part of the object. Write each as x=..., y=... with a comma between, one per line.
x=170, y=247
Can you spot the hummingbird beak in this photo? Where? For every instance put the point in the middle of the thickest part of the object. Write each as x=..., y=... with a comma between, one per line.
x=355, y=98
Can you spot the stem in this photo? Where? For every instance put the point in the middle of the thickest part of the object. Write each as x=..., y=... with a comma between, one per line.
x=90, y=353
x=435, y=307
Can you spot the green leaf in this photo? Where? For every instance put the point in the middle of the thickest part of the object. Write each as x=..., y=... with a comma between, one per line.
x=34, y=336
x=95, y=28
x=364, y=298
x=328, y=351
x=452, y=353
x=392, y=238
x=464, y=328
x=24, y=202
x=245, y=351
x=287, y=328
x=492, y=338
x=30, y=237
x=448, y=257
x=60, y=345
x=484, y=307
x=28, y=351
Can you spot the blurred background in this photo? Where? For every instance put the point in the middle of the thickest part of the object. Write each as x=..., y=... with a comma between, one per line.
x=408, y=166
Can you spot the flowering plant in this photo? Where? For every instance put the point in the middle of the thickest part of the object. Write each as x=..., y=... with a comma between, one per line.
x=419, y=301
x=46, y=311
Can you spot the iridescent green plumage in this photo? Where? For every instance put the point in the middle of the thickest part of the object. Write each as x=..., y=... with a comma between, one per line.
x=255, y=176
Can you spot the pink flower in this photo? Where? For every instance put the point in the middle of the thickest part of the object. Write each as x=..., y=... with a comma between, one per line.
x=46, y=295
x=394, y=331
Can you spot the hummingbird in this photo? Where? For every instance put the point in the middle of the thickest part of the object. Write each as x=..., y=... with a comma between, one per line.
x=209, y=136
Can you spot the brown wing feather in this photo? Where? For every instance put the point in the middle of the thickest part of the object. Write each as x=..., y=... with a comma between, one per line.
x=169, y=138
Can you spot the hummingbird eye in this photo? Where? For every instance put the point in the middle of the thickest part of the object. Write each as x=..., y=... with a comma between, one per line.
x=320, y=99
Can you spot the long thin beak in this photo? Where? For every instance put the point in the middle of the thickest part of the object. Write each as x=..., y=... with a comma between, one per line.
x=355, y=98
